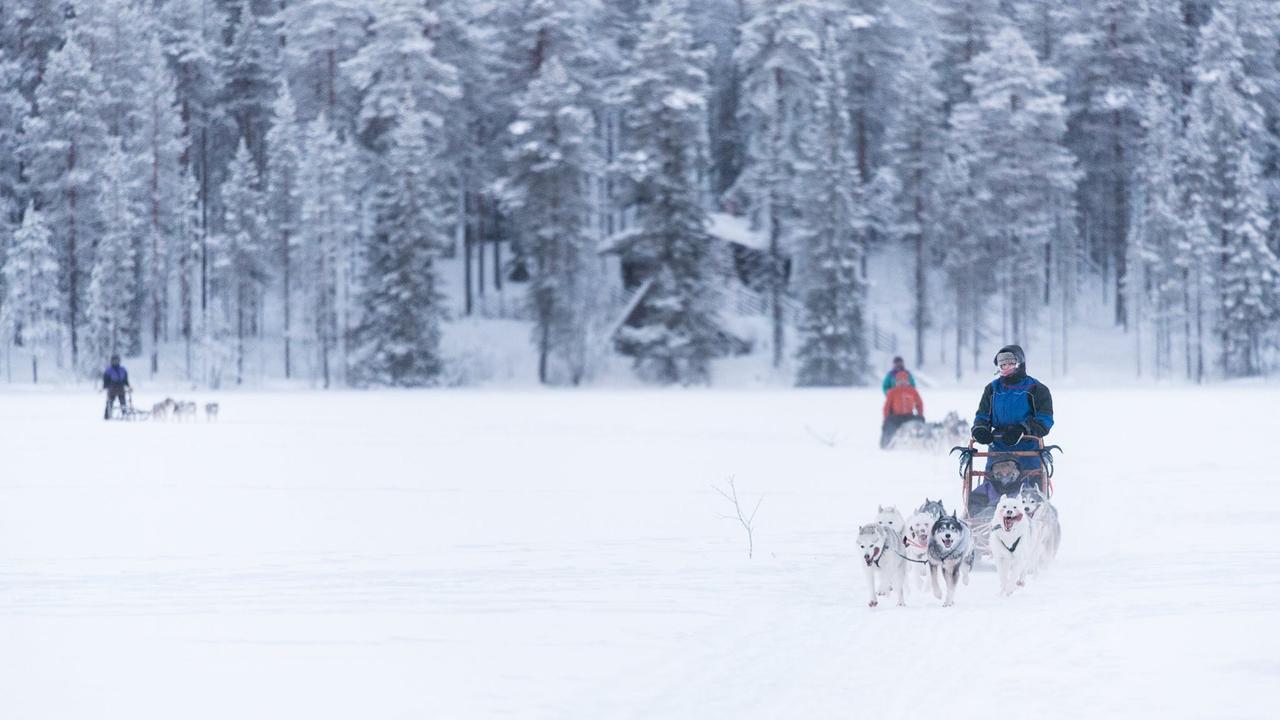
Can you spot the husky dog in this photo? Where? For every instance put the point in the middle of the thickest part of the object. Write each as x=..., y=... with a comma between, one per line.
x=951, y=552
x=889, y=516
x=932, y=507
x=184, y=410
x=1044, y=518
x=160, y=411
x=880, y=552
x=1012, y=543
x=915, y=548
x=211, y=411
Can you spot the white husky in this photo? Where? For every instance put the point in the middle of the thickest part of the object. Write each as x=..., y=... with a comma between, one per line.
x=889, y=516
x=884, y=563
x=915, y=547
x=1013, y=547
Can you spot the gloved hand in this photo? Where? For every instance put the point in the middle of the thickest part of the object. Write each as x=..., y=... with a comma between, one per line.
x=983, y=435
x=1011, y=434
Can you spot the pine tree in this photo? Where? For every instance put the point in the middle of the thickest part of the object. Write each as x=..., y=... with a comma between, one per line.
x=398, y=339
x=833, y=349
x=284, y=153
x=1013, y=128
x=1250, y=281
x=160, y=149
x=239, y=256
x=778, y=57
x=552, y=161
x=915, y=144
x=400, y=60
x=320, y=36
x=1154, y=255
x=1226, y=123
x=113, y=284
x=31, y=311
x=1112, y=59
x=251, y=63
x=675, y=328
x=328, y=232
x=66, y=143
x=964, y=27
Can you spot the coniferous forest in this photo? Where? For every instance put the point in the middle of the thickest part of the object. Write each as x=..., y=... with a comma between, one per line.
x=332, y=183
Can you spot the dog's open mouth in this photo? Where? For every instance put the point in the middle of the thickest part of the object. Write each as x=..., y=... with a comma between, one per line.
x=872, y=557
x=946, y=542
x=1009, y=520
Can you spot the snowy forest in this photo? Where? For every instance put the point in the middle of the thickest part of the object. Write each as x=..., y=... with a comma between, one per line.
x=326, y=187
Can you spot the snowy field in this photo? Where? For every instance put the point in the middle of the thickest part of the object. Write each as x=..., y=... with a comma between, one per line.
x=487, y=554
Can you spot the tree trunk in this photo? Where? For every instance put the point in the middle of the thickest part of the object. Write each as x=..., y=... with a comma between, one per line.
x=288, y=304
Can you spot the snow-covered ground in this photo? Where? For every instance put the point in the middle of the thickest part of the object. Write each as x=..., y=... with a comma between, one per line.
x=538, y=554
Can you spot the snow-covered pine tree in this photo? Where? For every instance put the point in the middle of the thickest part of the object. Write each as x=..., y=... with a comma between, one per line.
x=873, y=41
x=1013, y=127
x=1225, y=123
x=778, y=56
x=320, y=36
x=113, y=285
x=328, y=232
x=32, y=316
x=192, y=31
x=160, y=148
x=251, y=65
x=400, y=60
x=66, y=143
x=915, y=144
x=239, y=258
x=1250, y=280
x=1111, y=58
x=833, y=334
x=963, y=27
x=397, y=341
x=552, y=160
x=13, y=108
x=38, y=29
x=674, y=332
x=1154, y=246
x=284, y=159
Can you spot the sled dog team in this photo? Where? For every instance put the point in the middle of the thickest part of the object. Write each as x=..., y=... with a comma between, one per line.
x=898, y=553
x=182, y=410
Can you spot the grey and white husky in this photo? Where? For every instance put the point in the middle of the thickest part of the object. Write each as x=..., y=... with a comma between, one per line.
x=951, y=552
x=885, y=566
x=1044, y=519
x=933, y=507
x=1012, y=543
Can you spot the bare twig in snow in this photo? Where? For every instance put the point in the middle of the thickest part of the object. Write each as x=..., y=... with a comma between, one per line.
x=828, y=439
x=746, y=520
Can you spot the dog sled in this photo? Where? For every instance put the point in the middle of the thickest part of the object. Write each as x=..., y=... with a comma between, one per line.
x=930, y=435
x=126, y=411
x=1041, y=477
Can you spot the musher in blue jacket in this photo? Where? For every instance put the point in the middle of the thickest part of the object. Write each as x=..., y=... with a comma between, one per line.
x=1015, y=410
x=115, y=380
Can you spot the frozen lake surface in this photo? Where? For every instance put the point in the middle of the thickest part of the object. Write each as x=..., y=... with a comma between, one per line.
x=505, y=554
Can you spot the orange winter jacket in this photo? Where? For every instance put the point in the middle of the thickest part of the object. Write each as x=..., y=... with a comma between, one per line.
x=903, y=400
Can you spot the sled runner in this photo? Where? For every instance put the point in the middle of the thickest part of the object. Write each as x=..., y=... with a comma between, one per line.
x=127, y=412
x=1041, y=477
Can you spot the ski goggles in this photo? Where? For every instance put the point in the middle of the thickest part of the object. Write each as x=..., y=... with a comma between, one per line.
x=1006, y=358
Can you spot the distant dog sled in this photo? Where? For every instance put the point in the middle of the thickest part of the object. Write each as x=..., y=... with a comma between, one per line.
x=953, y=430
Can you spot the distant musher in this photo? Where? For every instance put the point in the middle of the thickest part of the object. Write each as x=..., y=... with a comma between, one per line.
x=115, y=380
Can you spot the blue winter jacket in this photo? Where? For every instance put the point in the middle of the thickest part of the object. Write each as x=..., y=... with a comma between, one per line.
x=115, y=377
x=1016, y=400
